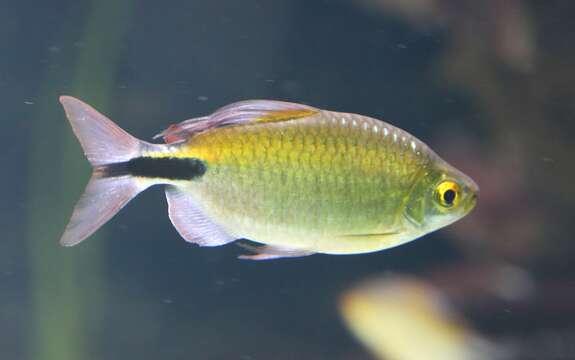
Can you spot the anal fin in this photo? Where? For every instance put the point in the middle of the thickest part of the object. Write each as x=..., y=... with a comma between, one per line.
x=192, y=223
x=270, y=252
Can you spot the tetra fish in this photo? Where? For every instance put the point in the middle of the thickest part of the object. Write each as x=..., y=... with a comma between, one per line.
x=298, y=179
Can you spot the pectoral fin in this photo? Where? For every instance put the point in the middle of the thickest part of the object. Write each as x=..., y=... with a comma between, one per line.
x=269, y=252
x=193, y=224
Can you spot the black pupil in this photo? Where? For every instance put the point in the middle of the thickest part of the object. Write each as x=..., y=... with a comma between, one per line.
x=449, y=196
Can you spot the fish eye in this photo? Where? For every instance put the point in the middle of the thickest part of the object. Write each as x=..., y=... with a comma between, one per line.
x=447, y=193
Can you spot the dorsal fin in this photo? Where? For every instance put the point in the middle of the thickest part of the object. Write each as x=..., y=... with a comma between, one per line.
x=239, y=113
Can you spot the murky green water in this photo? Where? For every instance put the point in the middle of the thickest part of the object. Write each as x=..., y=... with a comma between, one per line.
x=488, y=84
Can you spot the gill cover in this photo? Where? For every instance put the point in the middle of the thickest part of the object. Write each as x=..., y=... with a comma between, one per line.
x=416, y=204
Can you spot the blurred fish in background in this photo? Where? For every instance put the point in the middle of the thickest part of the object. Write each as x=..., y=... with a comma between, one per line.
x=403, y=318
x=447, y=314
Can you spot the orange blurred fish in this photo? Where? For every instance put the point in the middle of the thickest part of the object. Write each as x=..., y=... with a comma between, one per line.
x=404, y=318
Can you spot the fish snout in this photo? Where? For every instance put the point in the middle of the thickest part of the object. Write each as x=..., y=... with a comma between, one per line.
x=473, y=191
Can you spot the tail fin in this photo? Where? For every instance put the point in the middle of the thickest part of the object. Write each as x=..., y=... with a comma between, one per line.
x=104, y=143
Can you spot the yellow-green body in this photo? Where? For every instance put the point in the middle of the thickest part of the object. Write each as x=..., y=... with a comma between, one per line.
x=329, y=182
x=299, y=179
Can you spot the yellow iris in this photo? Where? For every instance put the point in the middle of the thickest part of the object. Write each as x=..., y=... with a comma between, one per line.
x=447, y=193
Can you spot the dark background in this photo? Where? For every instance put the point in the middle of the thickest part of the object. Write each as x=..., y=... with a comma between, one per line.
x=487, y=84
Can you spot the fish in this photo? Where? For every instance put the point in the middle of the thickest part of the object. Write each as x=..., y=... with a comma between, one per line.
x=292, y=178
x=399, y=317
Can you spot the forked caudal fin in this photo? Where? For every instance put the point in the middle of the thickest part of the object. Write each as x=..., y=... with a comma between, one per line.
x=103, y=143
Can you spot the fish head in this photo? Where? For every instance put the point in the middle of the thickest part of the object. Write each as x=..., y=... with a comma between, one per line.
x=439, y=197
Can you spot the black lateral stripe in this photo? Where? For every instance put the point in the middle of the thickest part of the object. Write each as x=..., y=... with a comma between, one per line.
x=164, y=168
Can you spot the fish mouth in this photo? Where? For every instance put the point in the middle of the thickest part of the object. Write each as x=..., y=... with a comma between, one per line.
x=472, y=201
x=472, y=189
